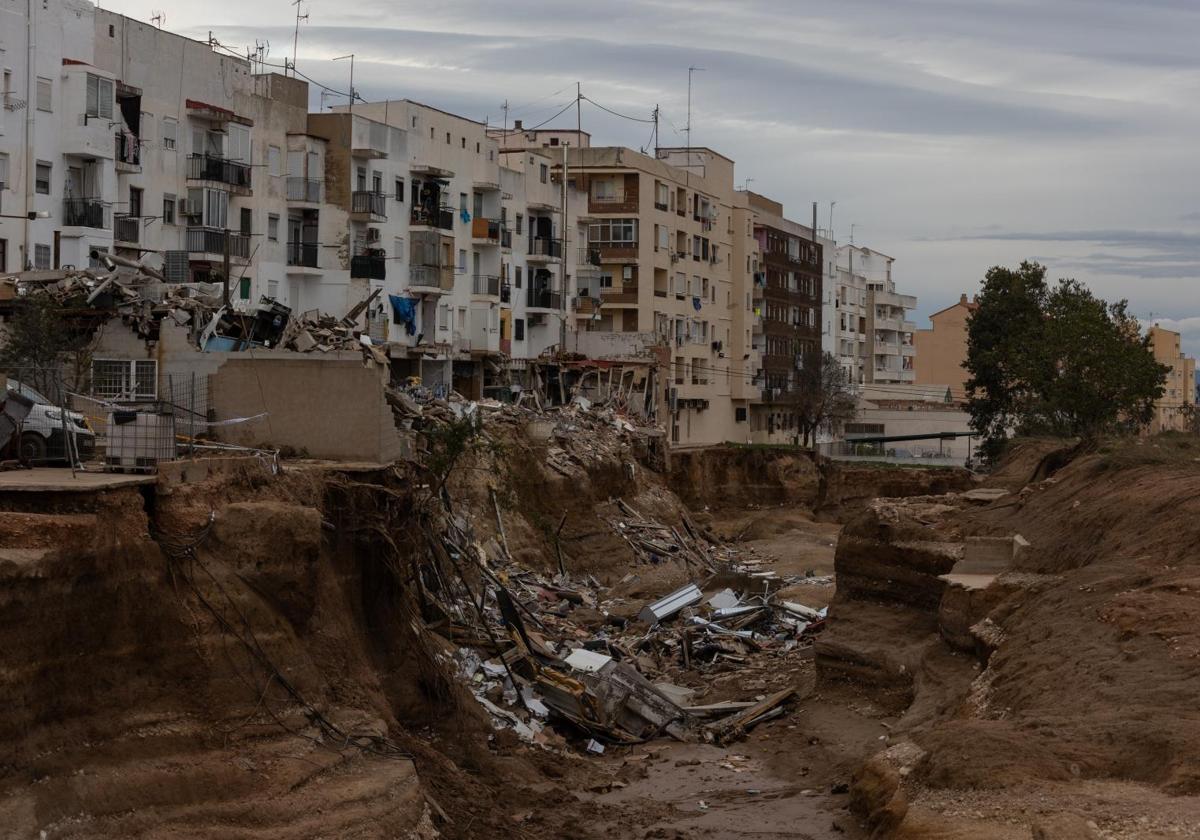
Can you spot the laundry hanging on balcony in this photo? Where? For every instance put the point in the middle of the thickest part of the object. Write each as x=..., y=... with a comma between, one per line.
x=404, y=311
x=696, y=303
x=466, y=215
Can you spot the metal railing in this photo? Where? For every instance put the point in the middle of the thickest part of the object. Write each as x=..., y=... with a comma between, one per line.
x=210, y=240
x=368, y=266
x=431, y=276
x=85, y=212
x=303, y=254
x=543, y=299
x=541, y=246
x=505, y=292
x=127, y=228
x=482, y=228
x=368, y=201
x=303, y=189
x=485, y=284
x=219, y=169
x=438, y=217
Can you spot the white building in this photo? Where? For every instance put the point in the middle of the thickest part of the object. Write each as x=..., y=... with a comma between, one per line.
x=871, y=336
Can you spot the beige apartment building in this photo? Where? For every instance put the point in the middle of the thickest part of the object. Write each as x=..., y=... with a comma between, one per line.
x=1180, y=387
x=941, y=350
x=873, y=339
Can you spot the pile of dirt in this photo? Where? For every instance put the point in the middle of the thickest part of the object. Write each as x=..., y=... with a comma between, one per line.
x=1061, y=682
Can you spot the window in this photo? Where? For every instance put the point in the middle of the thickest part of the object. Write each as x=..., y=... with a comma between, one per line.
x=400, y=189
x=121, y=379
x=517, y=276
x=99, y=97
x=41, y=256
x=520, y=220
x=447, y=138
x=544, y=173
x=519, y=329
x=360, y=179
x=464, y=142
x=462, y=260
x=244, y=288
x=273, y=227
x=3, y=176
x=44, y=92
x=377, y=183
x=247, y=221
x=443, y=314
x=168, y=211
x=462, y=202
x=605, y=189
x=41, y=180
x=398, y=248
x=274, y=161
x=170, y=130
x=606, y=281
x=618, y=232
x=476, y=148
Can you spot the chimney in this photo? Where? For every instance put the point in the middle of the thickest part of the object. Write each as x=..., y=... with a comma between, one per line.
x=963, y=299
x=517, y=126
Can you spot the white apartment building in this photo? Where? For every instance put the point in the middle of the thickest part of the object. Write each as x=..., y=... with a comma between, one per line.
x=872, y=337
x=56, y=137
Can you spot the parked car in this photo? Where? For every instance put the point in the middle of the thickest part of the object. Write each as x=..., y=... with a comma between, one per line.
x=42, y=433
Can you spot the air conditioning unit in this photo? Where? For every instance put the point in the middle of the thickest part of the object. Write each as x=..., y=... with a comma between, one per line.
x=373, y=234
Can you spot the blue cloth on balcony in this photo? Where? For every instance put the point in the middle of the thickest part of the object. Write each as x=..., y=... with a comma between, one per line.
x=405, y=312
x=696, y=303
x=466, y=216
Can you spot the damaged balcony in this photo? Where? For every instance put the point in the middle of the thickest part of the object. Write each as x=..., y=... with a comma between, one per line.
x=302, y=256
x=215, y=169
x=368, y=206
x=368, y=267
x=439, y=218
x=126, y=230
x=431, y=279
x=85, y=213
x=128, y=152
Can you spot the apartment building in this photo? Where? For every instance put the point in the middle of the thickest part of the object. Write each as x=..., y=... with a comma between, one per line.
x=58, y=186
x=787, y=302
x=941, y=350
x=873, y=339
x=660, y=243
x=1179, y=391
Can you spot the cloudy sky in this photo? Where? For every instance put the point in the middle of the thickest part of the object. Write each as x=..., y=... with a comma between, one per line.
x=953, y=134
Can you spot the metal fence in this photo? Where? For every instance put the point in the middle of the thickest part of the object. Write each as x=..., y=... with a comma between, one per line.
x=922, y=454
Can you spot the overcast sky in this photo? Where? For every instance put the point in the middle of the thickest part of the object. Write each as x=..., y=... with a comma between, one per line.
x=953, y=134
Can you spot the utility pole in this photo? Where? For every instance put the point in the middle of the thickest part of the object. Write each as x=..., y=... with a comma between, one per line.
x=656, y=131
x=296, y=35
x=504, y=132
x=225, y=270
x=578, y=125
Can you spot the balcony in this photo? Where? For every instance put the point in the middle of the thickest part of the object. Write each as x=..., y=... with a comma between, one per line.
x=626, y=203
x=441, y=218
x=304, y=189
x=506, y=239
x=128, y=154
x=210, y=242
x=485, y=231
x=85, y=212
x=485, y=285
x=627, y=294
x=543, y=248
x=368, y=206
x=505, y=292
x=543, y=299
x=219, y=170
x=127, y=229
x=304, y=254
x=431, y=279
x=617, y=252
x=368, y=267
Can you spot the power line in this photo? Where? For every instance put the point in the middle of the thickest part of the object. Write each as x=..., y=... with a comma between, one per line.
x=617, y=113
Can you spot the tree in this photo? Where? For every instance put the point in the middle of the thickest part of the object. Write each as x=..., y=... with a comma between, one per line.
x=40, y=348
x=821, y=396
x=1055, y=361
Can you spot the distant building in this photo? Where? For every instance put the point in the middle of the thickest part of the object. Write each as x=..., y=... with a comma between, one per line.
x=1180, y=387
x=941, y=351
x=872, y=339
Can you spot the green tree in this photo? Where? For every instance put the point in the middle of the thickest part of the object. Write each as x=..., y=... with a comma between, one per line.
x=40, y=348
x=1056, y=361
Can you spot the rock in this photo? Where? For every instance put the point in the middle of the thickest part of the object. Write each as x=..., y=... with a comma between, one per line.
x=1064, y=827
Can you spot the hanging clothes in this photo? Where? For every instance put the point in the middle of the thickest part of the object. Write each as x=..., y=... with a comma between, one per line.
x=696, y=303
x=404, y=311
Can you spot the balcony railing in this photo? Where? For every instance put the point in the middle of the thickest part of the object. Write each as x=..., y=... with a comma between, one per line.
x=541, y=246
x=303, y=254
x=85, y=212
x=219, y=169
x=505, y=292
x=505, y=238
x=303, y=189
x=543, y=299
x=485, y=284
x=210, y=240
x=127, y=228
x=431, y=277
x=438, y=217
x=368, y=201
x=482, y=228
x=128, y=150
x=368, y=266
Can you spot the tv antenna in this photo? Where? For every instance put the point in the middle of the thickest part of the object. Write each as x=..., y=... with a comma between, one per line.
x=296, y=35
x=158, y=18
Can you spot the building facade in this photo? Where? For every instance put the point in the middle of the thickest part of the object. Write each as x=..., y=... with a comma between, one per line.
x=941, y=350
x=1179, y=391
x=872, y=336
